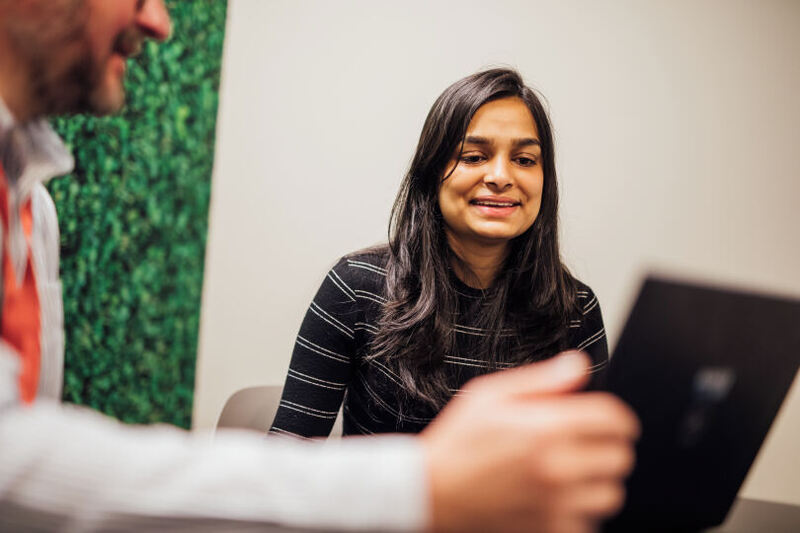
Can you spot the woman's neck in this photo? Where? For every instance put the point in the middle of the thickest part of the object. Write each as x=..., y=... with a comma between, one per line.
x=477, y=264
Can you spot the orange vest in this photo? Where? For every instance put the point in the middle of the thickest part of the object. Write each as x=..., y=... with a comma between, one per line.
x=20, y=322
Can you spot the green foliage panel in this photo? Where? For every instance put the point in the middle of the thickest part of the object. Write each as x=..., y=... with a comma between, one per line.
x=133, y=221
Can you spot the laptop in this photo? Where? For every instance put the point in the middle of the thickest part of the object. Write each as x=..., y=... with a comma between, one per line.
x=706, y=370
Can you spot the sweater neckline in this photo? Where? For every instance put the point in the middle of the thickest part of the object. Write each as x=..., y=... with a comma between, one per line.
x=466, y=290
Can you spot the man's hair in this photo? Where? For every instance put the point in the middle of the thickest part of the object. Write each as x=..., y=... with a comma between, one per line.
x=528, y=307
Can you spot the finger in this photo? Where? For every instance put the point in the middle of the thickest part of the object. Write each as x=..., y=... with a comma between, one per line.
x=581, y=462
x=595, y=500
x=590, y=415
x=568, y=524
x=565, y=372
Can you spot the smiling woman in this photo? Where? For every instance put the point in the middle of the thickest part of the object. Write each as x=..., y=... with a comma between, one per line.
x=470, y=282
x=493, y=190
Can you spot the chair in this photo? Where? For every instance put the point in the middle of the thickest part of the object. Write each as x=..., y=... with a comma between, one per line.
x=255, y=407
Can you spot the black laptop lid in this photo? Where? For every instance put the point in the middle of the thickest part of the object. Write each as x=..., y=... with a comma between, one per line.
x=706, y=371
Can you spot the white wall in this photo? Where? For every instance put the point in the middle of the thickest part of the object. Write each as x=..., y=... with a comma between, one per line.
x=676, y=127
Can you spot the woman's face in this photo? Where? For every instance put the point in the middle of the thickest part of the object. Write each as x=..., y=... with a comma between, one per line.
x=495, y=191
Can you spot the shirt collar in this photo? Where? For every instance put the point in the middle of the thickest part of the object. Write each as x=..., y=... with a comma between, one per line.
x=31, y=153
x=39, y=152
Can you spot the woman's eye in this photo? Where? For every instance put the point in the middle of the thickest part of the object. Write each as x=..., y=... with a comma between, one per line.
x=526, y=161
x=472, y=159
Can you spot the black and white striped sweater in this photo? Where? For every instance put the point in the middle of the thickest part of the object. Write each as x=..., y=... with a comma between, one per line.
x=328, y=362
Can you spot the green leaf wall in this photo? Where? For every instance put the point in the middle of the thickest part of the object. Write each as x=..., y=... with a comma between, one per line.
x=133, y=220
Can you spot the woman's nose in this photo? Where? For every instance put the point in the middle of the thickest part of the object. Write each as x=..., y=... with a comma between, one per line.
x=498, y=176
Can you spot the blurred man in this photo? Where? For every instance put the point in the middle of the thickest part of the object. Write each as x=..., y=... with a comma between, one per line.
x=515, y=452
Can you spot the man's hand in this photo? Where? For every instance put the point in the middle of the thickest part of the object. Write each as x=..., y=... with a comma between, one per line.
x=516, y=452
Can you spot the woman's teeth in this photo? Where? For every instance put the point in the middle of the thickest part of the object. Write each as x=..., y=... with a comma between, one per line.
x=489, y=203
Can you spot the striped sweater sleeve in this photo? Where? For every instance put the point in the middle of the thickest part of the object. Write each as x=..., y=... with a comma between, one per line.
x=589, y=334
x=322, y=360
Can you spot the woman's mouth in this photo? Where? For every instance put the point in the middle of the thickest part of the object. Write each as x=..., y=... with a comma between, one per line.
x=495, y=207
x=494, y=203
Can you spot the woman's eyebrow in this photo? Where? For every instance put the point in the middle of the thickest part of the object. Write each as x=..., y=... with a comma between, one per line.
x=484, y=141
x=474, y=139
x=526, y=141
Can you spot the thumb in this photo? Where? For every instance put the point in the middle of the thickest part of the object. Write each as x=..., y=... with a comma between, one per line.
x=566, y=372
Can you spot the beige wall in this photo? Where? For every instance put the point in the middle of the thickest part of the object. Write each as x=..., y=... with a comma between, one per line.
x=676, y=125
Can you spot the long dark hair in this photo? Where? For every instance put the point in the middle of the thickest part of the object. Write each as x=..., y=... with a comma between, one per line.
x=533, y=295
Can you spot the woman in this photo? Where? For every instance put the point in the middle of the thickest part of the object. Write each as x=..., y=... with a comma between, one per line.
x=470, y=282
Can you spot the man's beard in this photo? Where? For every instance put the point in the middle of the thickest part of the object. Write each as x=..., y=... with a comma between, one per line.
x=65, y=77
x=68, y=89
